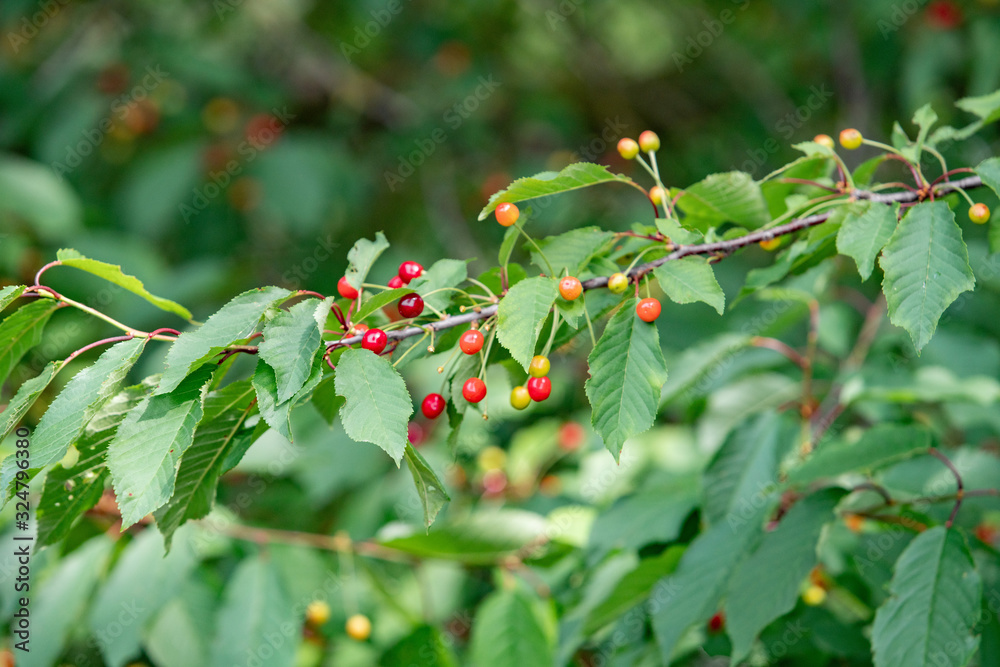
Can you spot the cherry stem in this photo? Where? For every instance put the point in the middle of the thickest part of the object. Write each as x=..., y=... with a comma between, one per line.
x=960, y=492
x=105, y=341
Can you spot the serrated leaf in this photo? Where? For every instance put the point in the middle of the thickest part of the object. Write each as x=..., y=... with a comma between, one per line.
x=570, y=252
x=81, y=399
x=653, y=515
x=691, y=279
x=745, y=468
x=813, y=149
x=880, y=445
x=633, y=589
x=931, y=617
x=325, y=400
x=254, y=607
x=926, y=266
x=989, y=172
x=760, y=591
x=25, y=397
x=573, y=177
x=987, y=107
x=291, y=340
x=729, y=197
x=424, y=647
x=924, y=118
x=377, y=405
x=508, y=633
x=113, y=274
x=522, y=313
x=483, y=538
x=9, y=293
x=362, y=257
x=69, y=492
x=429, y=487
x=627, y=372
x=673, y=230
x=143, y=456
x=443, y=273
x=379, y=301
x=22, y=330
x=691, y=595
x=865, y=230
x=220, y=430
x=234, y=321
x=277, y=415
x=698, y=361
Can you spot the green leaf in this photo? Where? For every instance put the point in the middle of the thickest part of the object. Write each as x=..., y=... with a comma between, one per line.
x=627, y=371
x=507, y=247
x=761, y=590
x=673, y=230
x=924, y=118
x=691, y=279
x=291, y=340
x=221, y=429
x=573, y=177
x=730, y=197
x=571, y=252
x=9, y=293
x=113, y=274
x=429, y=487
x=277, y=415
x=443, y=273
x=522, y=313
x=25, y=397
x=652, y=515
x=325, y=399
x=926, y=267
x=377, y=405
x=745, y=469
x=989, y=172
x=379, y=301
x=865, y=230
x=60, y=599
x=691, y=595
x=987, y=107
x=143, y=580
x=483, y=538
x=69, y=492
x=507, y=632
x=33, y=193
x=22, y=330
x=362, y=257
x=254, y=608
x=931, y=617
x=424, y=647
x=692, y=374
x=81, y=399
x=877, y=447
x=633, y=589
x=235, y=321
x=150, y=441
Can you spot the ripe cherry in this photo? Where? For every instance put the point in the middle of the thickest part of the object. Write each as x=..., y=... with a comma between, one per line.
x=571, y=436
x=539, y=366
x=411, y=305
x=944, y=15
x=627, y=148
x=648, y=310
x=415, y=434
x=717, y=623
x=317, y=613
x=570, y=288
x=471, y=341
x=770, y=244
x=850, y=138
x=824, y=140
x=409, y=270
x=649, y=141
x=359, y=328
x=979, y=214
x=358, y=627
x=519, y=398
x=395, y=282
x=474, y=390
x=433, y=406
x=618, y=283
x=374, y=340
x=507, y=214
x=346, y=290
x=539, y=388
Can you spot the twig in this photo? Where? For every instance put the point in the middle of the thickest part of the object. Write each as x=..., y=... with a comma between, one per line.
x=960, y=493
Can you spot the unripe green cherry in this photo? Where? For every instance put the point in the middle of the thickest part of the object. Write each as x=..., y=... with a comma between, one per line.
x=979, y=214
x=539, y=366
x=519, y=398
x=649, y=141
x=851, y=139
x=628, y=149
x=618, y=283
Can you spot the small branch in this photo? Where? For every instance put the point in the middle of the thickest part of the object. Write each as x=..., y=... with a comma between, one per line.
x=880, y=490
x=960, y=493
x=782, y=349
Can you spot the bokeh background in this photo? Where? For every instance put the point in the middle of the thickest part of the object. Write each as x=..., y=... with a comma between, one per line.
x=213, y=146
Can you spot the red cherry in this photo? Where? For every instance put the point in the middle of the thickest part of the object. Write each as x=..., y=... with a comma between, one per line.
x=432, y=406
x=374, y=340
x=415, y=434
x=648, y=310
x=944, y=15
x=395, y=282
x=411, y=305
x=571, y=436
x=717, y=623
x=539, y=388
x=474, y=390
x=570, y=288
x=346, y=290
x=471, y=341
x=409, y=270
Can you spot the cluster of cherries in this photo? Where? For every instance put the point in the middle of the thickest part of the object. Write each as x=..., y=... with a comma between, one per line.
x=410, y=306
